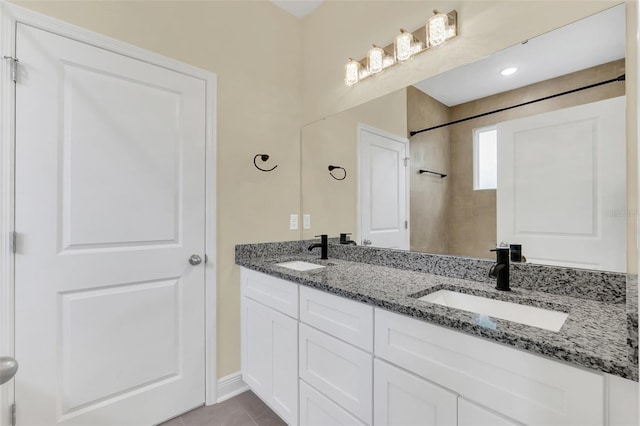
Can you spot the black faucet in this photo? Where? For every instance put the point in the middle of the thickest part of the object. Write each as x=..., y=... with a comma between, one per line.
x=324, y=245
x=344, y=239
x=500, y=269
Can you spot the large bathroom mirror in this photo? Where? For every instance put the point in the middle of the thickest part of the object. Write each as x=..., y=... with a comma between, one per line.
x=548, y=175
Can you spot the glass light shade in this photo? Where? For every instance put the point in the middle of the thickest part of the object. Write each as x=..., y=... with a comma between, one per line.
x=375, y=60
x=352, y=72
x=388, y=61
x=402, y=46
x=440, y=29
x=416, y=47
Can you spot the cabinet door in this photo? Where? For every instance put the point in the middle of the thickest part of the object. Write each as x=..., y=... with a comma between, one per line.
x=470, y=414
x=270, y=358
x=403, y=399
x=256, y=345
x=284, y=362
x=318, y=410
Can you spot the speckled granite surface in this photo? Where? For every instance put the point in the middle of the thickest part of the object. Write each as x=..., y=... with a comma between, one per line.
x=597, y=334
x=593, y=285
x=632, y=318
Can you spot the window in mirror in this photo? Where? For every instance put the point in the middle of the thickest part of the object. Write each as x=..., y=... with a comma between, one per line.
x=485, y=158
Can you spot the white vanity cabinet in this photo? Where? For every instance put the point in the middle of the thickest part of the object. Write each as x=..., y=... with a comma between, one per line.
x=270, y=341
x=320, y=359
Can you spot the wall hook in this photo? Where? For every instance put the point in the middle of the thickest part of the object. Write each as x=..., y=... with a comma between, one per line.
x=263, y=157
x=332, y=168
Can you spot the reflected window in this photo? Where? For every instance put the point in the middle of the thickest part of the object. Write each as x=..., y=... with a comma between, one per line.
x=485, y=158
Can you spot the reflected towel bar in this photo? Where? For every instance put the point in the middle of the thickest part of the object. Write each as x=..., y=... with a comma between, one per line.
x=433, y=173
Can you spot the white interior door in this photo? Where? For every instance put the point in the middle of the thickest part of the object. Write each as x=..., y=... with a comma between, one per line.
x=109, y=208
x=383, y=180
x=561, y=186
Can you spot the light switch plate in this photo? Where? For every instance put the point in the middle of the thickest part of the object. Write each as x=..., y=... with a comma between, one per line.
x=293, y=222
x=306, y=221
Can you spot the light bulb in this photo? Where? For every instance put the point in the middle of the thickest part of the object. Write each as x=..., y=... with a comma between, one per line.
x=508, y=71
x=402, y=46
x=440, y=28
x=375, y=59
x=352, y=72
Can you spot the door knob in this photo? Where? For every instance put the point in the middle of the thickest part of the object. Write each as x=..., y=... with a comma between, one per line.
x=195, y=260
x=366, y=242
x=8, y=368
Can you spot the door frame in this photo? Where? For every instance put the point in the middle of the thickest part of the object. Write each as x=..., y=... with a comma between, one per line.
x=10, y=16
x=366, y=128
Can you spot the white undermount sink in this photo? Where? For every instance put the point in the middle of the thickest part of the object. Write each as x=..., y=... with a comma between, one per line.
x=298, y=265
x=523, y=314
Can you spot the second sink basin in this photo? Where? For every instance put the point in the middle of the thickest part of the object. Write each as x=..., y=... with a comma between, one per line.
x=298, y=265
x=523, y=314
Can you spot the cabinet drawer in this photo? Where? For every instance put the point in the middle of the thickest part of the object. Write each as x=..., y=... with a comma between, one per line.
x=525, y=387
x=338, y=370
x=343, y=318
x=318, y=410
x=469, y=414
x=402, y=398
x=278, y=294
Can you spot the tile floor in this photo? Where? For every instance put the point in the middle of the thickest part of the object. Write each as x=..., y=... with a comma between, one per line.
x=245, y=409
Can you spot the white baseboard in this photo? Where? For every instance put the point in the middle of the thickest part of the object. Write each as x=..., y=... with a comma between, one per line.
x=230, y=386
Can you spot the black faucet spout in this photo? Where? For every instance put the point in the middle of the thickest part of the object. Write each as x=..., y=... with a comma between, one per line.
x=500, y=269
x=324, y=246
x=344, y=239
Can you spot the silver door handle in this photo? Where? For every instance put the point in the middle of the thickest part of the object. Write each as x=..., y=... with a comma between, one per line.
x=366, y=242
x=8, y=369
x=195, y=260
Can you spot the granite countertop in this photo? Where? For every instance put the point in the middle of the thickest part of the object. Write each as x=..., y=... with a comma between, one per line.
x=595, y=335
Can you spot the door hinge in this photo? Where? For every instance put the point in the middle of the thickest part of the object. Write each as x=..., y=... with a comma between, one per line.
x=13, y=63
x=13, y=242
x=406, y=224
x=13, y=414
x=406, y=161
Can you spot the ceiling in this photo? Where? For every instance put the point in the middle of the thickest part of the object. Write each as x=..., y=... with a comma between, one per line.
x=592, y=41
x=298, y=8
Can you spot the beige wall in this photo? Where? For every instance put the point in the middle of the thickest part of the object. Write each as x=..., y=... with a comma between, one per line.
x=333, y=203
x=472, y=224
x=429, y=193
x=259, y=104
x=261, y=107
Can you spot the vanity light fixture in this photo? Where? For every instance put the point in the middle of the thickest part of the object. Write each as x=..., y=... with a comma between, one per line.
x=440, y=28
x=508, y=71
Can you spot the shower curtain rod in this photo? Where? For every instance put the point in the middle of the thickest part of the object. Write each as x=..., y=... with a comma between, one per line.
x=613, y=80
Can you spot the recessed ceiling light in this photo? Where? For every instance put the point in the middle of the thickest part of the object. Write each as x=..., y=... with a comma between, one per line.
x=508, y=71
